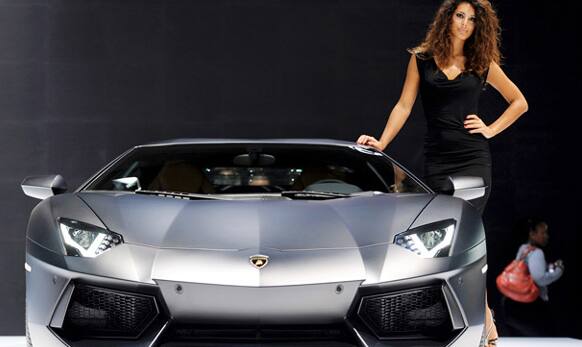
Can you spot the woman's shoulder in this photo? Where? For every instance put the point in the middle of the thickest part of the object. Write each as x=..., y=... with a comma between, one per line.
x=526, y=247
x=419, y=54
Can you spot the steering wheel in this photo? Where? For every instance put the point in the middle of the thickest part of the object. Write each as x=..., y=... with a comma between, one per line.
x=245, y=189
x=329, y=180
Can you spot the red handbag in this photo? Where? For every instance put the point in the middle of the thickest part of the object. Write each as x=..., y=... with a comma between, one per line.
x=516, y=282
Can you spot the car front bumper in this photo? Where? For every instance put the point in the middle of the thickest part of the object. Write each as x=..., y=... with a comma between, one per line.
x=328, y=313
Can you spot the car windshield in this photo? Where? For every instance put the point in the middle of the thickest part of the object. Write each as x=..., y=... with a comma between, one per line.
x=283, y=169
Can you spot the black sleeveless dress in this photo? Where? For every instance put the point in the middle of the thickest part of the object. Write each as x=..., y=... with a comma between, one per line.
x=449, y=148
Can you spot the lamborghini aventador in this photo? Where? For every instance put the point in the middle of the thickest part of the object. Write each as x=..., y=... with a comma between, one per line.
x=294, y=242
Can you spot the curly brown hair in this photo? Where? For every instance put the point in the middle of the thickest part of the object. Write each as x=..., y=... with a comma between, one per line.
x=480, y=49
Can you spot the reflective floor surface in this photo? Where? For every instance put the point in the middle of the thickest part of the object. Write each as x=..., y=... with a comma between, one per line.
x=19, y=341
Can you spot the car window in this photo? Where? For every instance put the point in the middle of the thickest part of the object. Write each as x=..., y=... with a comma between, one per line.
x=239, y=169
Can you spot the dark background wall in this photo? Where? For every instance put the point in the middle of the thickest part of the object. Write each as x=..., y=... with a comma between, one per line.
x=81, y=81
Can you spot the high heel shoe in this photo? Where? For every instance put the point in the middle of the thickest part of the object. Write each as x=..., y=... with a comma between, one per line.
x=486, y=339
x=491, y=341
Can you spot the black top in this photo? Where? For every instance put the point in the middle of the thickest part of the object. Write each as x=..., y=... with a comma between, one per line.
x=446, y=105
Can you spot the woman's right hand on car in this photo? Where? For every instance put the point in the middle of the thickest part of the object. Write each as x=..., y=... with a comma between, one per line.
x=371, y=141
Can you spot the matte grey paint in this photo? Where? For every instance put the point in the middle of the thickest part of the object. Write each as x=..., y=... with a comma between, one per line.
x=469, y=229
x=296, y=304
x=205, y=245
x=61, y=310
x=467, y=187
x=43, y=227
x=234, y=225
x=41, y=187
x=468, y=294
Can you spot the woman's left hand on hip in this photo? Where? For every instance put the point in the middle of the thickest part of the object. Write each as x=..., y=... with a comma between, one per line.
x=476, y=126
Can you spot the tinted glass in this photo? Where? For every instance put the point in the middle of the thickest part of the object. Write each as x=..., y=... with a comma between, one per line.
x=236, y=169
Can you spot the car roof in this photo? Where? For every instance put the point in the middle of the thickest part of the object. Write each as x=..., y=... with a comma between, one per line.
x=290, y=141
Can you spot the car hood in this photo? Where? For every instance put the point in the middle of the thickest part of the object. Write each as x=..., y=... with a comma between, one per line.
x=234, y=225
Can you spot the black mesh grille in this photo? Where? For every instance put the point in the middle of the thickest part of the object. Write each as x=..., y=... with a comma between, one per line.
x=99, y=312
x=299, y=335
x=420, y=312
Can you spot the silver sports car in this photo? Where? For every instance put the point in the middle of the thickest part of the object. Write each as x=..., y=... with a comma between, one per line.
x=254, y=242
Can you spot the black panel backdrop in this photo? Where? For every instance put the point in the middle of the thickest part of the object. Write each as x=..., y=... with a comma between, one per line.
x=81, y=81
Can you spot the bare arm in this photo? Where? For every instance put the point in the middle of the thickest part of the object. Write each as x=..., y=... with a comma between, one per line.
x=401, y=110
x=509, y=91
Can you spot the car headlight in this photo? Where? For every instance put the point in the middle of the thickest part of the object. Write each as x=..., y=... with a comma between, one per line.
x=86, y=240
x=429, y=241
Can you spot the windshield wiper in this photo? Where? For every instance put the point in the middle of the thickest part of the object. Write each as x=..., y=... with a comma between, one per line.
x=178, y=195
x=312, y=195
x=293, y=194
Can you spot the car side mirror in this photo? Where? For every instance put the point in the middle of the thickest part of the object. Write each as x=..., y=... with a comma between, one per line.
x=42, y=187
x=127, y=183
x=465, y=187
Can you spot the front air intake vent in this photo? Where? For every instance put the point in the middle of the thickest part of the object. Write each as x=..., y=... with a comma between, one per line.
x=104, y=313
x=413, y=313
x=267, y=335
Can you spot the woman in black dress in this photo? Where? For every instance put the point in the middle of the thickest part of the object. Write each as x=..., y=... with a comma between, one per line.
x=458, y=57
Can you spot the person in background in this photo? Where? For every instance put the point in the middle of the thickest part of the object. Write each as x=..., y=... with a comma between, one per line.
x=533, y=319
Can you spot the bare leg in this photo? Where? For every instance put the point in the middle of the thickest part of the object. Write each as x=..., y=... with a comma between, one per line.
x=490, y=328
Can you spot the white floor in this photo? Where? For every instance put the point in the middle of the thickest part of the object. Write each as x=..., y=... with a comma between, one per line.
x=19, y=341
